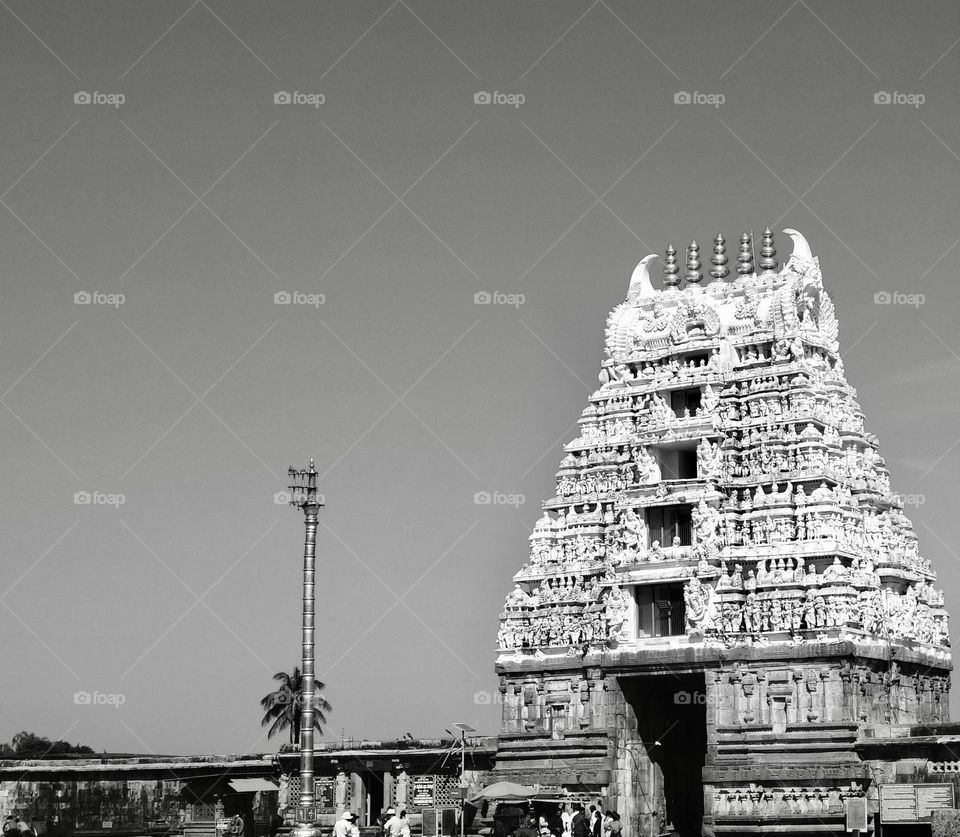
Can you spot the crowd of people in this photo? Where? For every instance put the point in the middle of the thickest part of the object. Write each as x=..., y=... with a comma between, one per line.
x=562, y=820
x=391, y=823
x=570, y=820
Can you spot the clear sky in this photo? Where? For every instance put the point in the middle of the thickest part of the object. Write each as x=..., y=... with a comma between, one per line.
x=386, y=188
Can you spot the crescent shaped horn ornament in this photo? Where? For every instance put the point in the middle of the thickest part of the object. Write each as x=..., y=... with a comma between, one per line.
x=640, y=284
x=801, y=249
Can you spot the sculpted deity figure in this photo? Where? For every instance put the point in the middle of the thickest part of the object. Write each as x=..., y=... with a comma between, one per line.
x=711, y=399
x=703, y=565
x=776, y=615
x=751, y=613
x=517, y=599
x=736, y=579
x=724, y=580
x=796, y=614
x=615, y=613
x=660, y=410
x=750, y=583
x=633, y=534
x=820, y=611
x=833, y=612
x=809, y=610
x=709, y=460
x=648, y=470
x=706, y=522
x=695, y=597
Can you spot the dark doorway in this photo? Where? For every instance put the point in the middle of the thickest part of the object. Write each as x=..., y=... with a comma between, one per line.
x=374, y=791
x=672, y=723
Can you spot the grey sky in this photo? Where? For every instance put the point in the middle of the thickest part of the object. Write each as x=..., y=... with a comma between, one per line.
x=398, y=198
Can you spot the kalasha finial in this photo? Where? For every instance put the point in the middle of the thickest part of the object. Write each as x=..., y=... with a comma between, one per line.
x=745, y=259
x=693, y=274
x=719, y=260
x=768, y=260
x=671, y=272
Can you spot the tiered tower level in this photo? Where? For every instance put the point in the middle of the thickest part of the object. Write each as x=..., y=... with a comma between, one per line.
x=724, y=593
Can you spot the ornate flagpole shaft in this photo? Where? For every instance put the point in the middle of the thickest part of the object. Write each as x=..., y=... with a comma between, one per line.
x=303, y=491
x=307, y=643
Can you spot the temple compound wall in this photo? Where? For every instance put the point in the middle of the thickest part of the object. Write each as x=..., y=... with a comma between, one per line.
x=724, y=607
x=138, y=796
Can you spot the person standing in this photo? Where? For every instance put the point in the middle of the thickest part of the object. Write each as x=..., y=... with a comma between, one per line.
x=579, y=827
x=594, y=821
x=567, y=817
x=9, y=826
x=392, y=825
x=346, y=825
x=544, y=827
x=384, y=818
x=615, y=827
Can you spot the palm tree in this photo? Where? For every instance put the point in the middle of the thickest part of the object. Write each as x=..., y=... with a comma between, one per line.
x=283, y=708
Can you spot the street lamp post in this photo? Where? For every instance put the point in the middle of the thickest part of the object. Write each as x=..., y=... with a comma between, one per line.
x=463, y=729
x=303, y=495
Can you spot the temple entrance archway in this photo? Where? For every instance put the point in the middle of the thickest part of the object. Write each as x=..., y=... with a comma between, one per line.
x=672, y=726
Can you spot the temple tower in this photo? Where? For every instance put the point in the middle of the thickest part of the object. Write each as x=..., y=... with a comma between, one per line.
x=723, y=595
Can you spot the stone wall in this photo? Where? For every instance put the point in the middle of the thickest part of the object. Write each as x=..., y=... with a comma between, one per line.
x=89, y=804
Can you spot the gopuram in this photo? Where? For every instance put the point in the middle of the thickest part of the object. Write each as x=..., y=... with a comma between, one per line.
x=724, y=596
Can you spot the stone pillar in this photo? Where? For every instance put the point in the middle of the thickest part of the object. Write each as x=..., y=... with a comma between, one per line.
x=388, y=782
x=358, y=803
x=340, y=799
x=401, y=784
